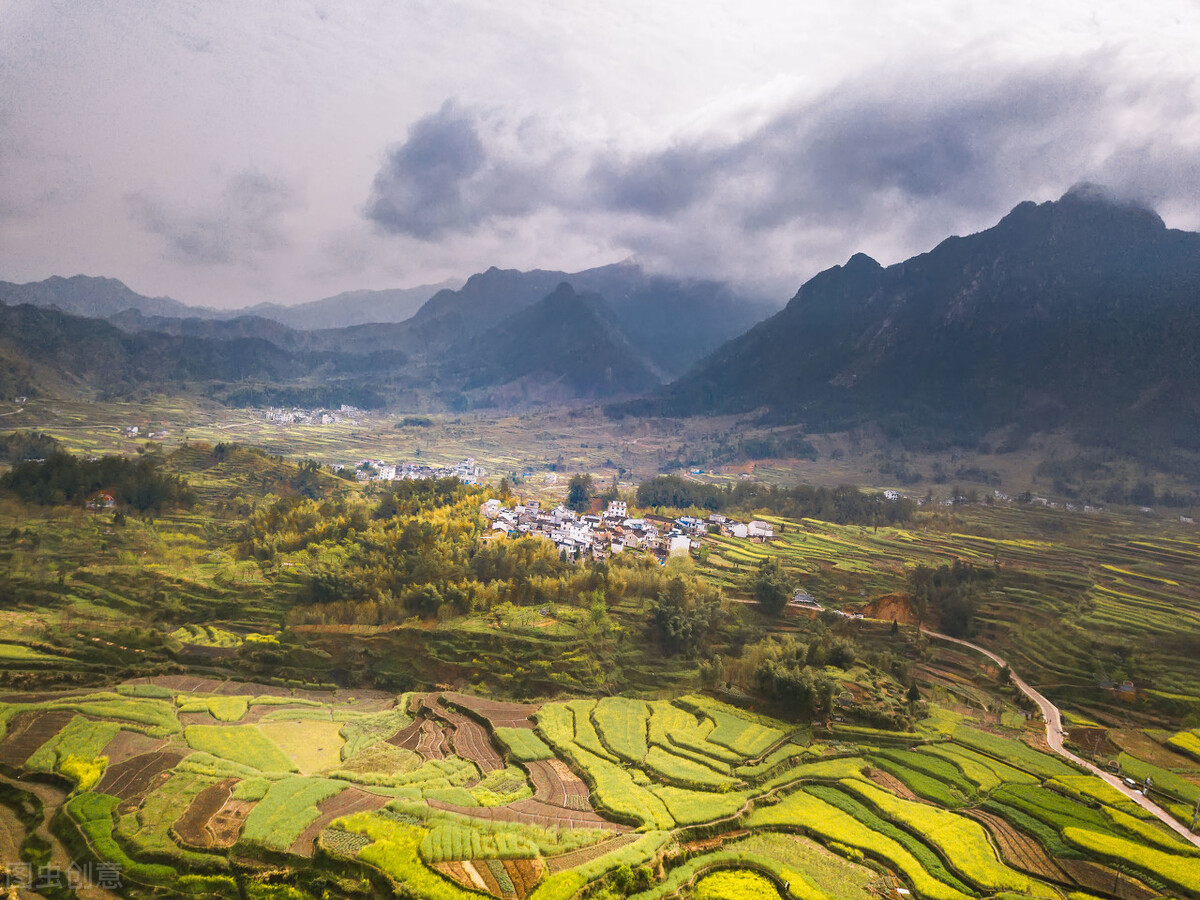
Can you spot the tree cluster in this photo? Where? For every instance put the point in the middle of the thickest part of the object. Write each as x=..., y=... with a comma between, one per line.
x=579, y=493
x=23, y=445
x=791, y=674
x=770, y=587
x=64, y=479
x=949, y=593
x=844, y=505
x=684, y=614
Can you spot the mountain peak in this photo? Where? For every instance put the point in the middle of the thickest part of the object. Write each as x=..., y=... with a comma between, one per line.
x=1086, y=302
x=861, y=262
x=1088, y=193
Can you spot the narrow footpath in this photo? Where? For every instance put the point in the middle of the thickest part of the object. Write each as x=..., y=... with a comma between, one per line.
x=1054, y=737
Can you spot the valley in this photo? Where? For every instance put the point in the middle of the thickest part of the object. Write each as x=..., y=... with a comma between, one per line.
x=603, y=451
x=300, y=685
x=295, y=606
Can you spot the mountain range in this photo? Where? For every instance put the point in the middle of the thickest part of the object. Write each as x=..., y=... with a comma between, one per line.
x=105, y=298
x=1082, y=312
x=505, y=336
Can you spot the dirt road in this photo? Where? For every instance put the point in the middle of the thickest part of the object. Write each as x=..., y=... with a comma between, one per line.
x=1054, y=737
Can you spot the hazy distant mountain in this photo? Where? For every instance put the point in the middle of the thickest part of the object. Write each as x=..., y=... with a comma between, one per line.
x=48, y=351
x=218, y=329
x=350, y=308
x=671, y=322
x=566, y=344
x=622, y=333
x=97, y=298
x=1082, y=311
x=108, y=298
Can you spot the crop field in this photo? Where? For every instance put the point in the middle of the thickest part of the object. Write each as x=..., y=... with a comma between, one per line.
x=995, y=816
x=196, y=784
x=1082, y=586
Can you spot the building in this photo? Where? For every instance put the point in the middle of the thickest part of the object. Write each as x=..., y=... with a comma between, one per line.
x=757, y=530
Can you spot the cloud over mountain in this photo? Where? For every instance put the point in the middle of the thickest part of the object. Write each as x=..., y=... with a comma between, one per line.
x=889, y=161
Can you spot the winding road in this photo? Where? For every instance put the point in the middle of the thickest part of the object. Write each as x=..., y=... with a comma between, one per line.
x=1054, y=737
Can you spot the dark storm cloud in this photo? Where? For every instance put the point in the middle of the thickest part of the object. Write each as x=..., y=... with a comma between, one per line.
x=442, y=179
x=890, y=163
x=244, y=222
x=658, y=184
x=918, y=137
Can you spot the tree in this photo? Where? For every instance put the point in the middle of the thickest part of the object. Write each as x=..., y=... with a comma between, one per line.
x=914, y=693
x=579, y=492
x=770, y=587
x=683, y=615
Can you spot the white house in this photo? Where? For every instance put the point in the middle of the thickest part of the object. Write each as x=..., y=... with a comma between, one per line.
x=491, y=509
x=738, y=530
x=761, y=530
x=679, y=545
x=617, y=509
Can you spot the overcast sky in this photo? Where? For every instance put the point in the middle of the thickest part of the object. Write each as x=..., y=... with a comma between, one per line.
x=224, y=152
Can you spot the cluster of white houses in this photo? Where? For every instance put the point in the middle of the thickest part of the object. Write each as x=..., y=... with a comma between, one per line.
x=318, y=416
x=614, y=531
x=377, y=470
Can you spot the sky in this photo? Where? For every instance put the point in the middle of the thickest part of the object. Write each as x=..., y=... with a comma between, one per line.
x=228, y=153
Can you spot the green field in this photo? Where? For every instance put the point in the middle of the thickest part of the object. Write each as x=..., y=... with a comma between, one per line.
x=202, y=690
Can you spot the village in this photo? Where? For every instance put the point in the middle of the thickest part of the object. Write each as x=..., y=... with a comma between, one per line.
x=317, y=416
x=377, y=470
x=601, y=535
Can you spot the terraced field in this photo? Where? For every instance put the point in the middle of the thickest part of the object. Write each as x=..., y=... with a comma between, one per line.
x=1073, y=591
x=442, y=792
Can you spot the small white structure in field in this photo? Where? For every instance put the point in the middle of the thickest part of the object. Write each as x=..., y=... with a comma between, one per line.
x=679, y=545
x=761, y=530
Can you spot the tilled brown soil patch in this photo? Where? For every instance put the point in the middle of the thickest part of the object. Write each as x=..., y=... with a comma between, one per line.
x=500, y=713
x=28, y=731
x=136, y=777
x=534, y=812
x=578, y=857
x=125, y=745
x=1019, y=849
x=556, y=784
x=192, y=827
x=351, y=800
x=1103, y=880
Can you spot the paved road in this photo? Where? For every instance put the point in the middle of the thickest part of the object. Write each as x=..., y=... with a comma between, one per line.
x=1054, y=737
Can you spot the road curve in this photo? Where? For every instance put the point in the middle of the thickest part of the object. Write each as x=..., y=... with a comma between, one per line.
x=1054, y=737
